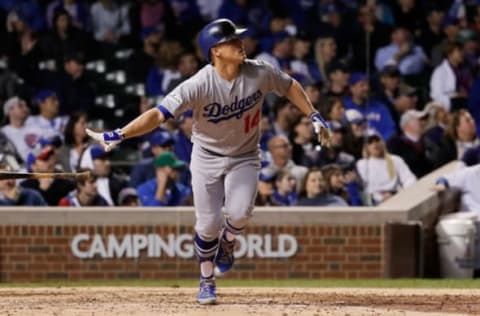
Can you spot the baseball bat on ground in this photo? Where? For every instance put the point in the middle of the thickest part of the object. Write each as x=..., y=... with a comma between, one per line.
x=6, y=175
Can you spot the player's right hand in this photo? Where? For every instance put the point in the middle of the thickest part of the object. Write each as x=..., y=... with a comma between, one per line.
x=108, y=140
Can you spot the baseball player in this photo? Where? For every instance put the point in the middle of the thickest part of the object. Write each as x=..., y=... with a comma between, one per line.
x=226, y=98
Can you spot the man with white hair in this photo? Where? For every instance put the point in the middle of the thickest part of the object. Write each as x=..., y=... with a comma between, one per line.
x=23, y=136
x=417, y=151
x=281, y=158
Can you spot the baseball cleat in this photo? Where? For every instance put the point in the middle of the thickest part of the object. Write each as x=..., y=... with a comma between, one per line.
x=206, y=293
x=224, y=258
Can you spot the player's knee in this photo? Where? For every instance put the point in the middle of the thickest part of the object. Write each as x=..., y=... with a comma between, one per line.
x=208, y=230
x=236, y=223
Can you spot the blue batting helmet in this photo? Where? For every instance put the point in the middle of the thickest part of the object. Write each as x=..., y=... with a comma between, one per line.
x=216, y=32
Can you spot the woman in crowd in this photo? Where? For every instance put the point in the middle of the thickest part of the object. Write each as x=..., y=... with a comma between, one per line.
x=382, y=174
x=75, y=141
x=313, y=191
x=325, y=52
x=284, y=193
x=343, y=185
x=461, y=134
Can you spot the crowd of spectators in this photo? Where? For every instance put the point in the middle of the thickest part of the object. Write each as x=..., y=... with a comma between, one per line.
x=397, y=80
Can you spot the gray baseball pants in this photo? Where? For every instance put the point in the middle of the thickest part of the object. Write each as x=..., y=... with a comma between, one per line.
x=223, y=181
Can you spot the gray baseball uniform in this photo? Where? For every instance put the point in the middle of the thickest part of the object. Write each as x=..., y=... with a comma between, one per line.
x=225, y=157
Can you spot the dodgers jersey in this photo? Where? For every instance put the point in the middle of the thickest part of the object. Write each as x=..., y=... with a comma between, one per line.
x=226, y=114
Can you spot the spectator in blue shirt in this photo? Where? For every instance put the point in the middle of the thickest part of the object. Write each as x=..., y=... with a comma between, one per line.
x=164, y=189
x=284, y=193
x=160, y=141
x=403, y=53
x=376, y=113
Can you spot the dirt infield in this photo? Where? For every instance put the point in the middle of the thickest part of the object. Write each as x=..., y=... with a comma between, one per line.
x=96, y=301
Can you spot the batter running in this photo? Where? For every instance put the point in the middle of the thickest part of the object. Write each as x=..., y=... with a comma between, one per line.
x=226, y=97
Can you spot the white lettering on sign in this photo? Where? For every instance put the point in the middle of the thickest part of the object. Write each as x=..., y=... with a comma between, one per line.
x=84, y=246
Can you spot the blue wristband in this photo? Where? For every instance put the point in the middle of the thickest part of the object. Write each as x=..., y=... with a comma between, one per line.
x=166, y=113
x=443, y=181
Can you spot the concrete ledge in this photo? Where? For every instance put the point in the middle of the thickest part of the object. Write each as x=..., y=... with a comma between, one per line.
x=186, y=216
x=419, y=200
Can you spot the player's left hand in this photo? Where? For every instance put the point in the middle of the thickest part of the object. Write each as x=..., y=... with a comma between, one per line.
x=322, y=129
x=108, y=140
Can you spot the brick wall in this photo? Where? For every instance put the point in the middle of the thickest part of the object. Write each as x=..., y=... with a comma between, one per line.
x=39, y=252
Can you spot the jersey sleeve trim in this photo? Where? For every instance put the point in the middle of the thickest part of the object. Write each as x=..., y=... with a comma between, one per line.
x=166, y=113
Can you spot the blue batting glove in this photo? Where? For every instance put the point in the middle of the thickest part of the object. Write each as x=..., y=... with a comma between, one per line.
x=108, y=140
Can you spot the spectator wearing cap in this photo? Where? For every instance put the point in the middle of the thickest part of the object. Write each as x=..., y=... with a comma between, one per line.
x=78, y=10
x=140, y=62
x=313, y=191
x=335, y=153
x=335, y=24
x=356, y=129
x=451, y=82
x=159, y=141
x=13, y=195
x=43, y=159
x=23, y=136
x=47, y=120
x=128, y=197
x=461, y=135
x=376, y=113
x=108, y=184
x=85, y=193
x=266, y=185
x=431, y=33
x=378, y=34
x=403, y=53
x=280, y=151
x=165, y=189
x=450, y=28
x=416, y=150
x=250, y=43
x=338, y=75
x=382, y=173
x=390, y=78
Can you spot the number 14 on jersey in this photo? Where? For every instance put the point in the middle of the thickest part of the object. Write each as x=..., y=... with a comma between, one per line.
x=250, y=122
